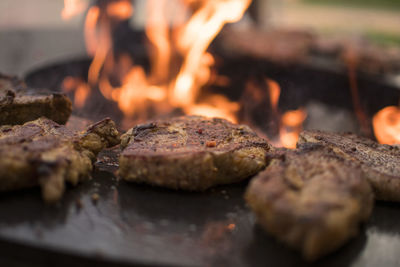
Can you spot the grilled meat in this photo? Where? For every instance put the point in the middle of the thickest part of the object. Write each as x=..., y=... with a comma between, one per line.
x=44, y=153
x=310, y=199
x=191, y=153
x=19, y=105
x=380, y=163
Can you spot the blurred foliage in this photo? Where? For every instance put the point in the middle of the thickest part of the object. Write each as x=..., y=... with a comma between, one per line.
x=381, y=38
x=385, y=4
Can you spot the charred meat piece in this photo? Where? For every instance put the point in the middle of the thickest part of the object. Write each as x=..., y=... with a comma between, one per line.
x=191, y=153
x=310, y=199
x=18, y=104
x=380, y=163
x=44, y=153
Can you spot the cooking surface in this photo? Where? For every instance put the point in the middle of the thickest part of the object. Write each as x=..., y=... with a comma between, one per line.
x=133, y=225
x=140, y=225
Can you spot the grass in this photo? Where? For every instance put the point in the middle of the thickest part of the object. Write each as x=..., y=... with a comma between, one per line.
x=386, y=39
x=382, y=4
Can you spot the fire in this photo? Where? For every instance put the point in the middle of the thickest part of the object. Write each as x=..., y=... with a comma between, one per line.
x=231, y=226
x=194, y=40
x=135, y=87
x=90, y=29
x=120, y=10
x=157, y=30
x=217, y=106
x=292, y=122
x=180, y=63
x=386, y=124
x=81, y=89
x=294, y=118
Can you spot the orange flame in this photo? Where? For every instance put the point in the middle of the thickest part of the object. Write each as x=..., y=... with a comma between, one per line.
x=102, y=50
x=73, y=8
x=98, y=44
x=157, y=30
x=81, y=94
x=180, y=63
x=215, y=106
x=195, y=38
x=292, y=122
x=274, y=91
x=386, y=124
x=81, y=89
x=231, y=226
x=121, y=10
x=90, y=29
x=135, y=91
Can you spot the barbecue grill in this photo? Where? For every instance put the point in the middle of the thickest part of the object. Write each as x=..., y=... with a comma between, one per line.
x=138, y=225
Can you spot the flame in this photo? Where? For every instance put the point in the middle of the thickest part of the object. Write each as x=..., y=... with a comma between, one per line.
x=98, y=35
x=291, y=122
x=291, y=127
x=180, y=63
x=98, y=44
x=81, y=94
x=281, y=129
x=81, y=89
x=386, y=124
x=157, y=30
x=231, y=226
x=274, y=91
x=294, y=118
x=194, y=40
x=73, y=8
x=135, y=91
x=90, y=29
x=100, y=56
x=215, y=106
x=121, y=10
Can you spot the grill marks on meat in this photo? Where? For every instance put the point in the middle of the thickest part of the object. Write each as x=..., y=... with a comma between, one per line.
x=380, y=163
x=18, y=105
x=310, y=199
x=44, y=153
x=191, y=153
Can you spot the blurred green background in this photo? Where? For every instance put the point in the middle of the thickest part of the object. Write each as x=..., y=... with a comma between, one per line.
x=384, y=4
x=377, y=21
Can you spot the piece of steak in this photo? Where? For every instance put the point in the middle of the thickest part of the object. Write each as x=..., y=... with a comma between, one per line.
x=42, y=152
x=310, y=199
x=191, y=153
x=19, y=104
x=380, y=163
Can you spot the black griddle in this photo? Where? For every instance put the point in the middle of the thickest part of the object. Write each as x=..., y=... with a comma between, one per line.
x=138, y=225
